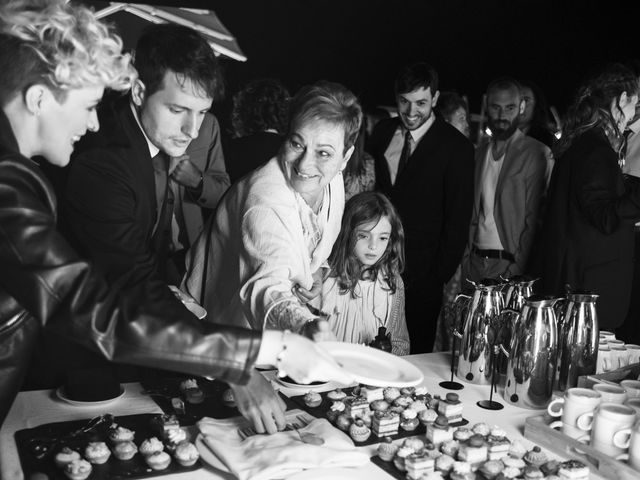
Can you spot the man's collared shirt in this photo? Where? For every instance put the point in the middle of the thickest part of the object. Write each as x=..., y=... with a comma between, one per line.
x=392, y=154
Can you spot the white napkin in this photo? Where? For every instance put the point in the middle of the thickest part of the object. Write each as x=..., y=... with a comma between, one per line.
x=264, y=457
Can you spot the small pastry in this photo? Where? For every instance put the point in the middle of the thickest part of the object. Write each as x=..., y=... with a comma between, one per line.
x=491, y=469
x=78, y=469
x=418, y=464
x=497, y=431
x=332, y=415
x=357, y=407
x=125, y=450
x=431, y=451
x=390, y=394
x=65, y=456
x=396, y=408
x=535, y=457
x=385, y=423
x=161, y=424
x=187, y=384
x=158, y=460
x=433, y=402
x=150, y=446
x=312, y=399
x=420, y=392
x=481, y=429
x=498, y=447
x=418, y=406
x=387, y=450
x=409, y=420
x=120, y=434
x=462, y=434
x=532, y=473
x=450, y=448
x=461, y=471
x=228, y=398
x=407, y=391
x=372, y=393
x=174, y=437
x=336, y=394
x=474, y=450
x=413, y=442
x=359, y=431
x=513, y=462
x=186, y=454
x=427, y=416
x=401, y=455
x=517, y=449
x=191, y=391
x=551, y=467
x=97, y=453
x=439, y=431
x=509, y=472
x=444, y=463
x=379, y=405
x=403, y=401
x=573, y=469
x=338, y=406
x=343, y=422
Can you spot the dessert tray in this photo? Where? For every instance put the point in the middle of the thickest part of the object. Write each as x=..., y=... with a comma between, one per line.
x=38, y=447
x=536, y=429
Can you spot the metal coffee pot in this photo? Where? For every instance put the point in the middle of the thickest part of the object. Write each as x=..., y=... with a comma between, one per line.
x=478, y=334
x=578, y=336
x=532, y=355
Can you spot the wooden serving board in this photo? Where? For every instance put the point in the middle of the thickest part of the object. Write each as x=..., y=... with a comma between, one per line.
x=537, y=430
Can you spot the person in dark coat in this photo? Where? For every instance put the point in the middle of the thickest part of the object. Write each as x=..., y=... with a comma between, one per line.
x=587, y=240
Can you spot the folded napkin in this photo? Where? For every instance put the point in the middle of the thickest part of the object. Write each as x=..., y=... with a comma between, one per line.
x=264, y=457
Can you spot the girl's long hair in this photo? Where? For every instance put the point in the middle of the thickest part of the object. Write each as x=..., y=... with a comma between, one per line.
x=361, y=209
x=592, y=106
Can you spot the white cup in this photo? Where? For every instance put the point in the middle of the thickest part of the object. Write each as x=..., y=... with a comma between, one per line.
x=634, y=352
x=604, y=362
x=629, y=438
x=576, y=403
x=611, y=393
x=635, y=404
x=607, y=422
x=607, y=335
x=632, y=387
x=619, y=354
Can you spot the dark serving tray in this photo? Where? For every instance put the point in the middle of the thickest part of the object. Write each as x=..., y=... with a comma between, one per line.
x=113, y=469
x=321, y=412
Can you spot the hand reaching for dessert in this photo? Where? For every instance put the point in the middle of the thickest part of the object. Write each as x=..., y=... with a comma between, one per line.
x=259, y=403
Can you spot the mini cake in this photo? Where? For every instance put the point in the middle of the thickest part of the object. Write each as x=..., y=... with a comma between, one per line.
x=414, y=443
x=229, y=398
x=379, y=405
x=385, y=423
x=451, y=408
x=150, y=446
x=532, y=473
x=390, y=394
x=357, y=407
x=401, y=455
x=125, y=450
x=372, y=393
x=409, y=420
x=163, y=423
x=462, y=434
x=450, y=447
x=120, y=434
x=444, y=463
x=418, y=406
x=336, y=394
x=158, y=460
x=359, y=431
x=517, y=449
x=343, y=422
x=481, y=429
x=511, y=462
x=474, y=451
x=403, y=401
x=97, y=453
x=174, y=437
x=497, y=431
x=491, y=469
x=427, y=416
x=417, y=464
x=461, y=471
x=535, y=457
x=312, y=399
x=387, y=450
x=498, y=447
x=439, y=431
x=431, y=450
x=78, y=469
x=65, y=456
x=186, y=454
x=573, y=470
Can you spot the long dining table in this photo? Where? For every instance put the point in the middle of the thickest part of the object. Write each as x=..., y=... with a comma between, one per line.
x=33, y=408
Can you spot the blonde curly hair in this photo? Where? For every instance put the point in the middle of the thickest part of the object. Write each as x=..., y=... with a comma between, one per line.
x=61, y=44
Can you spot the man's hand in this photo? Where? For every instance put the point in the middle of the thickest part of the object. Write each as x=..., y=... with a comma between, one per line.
x=185, y=172
x=259, y=403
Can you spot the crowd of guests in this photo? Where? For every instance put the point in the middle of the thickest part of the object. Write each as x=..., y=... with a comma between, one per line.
x=309, y=221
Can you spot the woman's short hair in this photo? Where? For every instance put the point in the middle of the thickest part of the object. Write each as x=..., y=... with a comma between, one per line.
x=58, y=44
x=449, y=103
x=182, y=50
x=329, y=102
x=263, y=104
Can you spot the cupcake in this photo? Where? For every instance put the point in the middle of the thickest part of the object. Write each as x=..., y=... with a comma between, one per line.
x=403, y=401
x=186, y=454
x=444, y=463
x=338, y=406
x=461, y=471
x=97, y=453
x=125, y=450
x=379, y=405
x=228, y=398
x=418, y=406
x=312, y=399
x=427, y=416
x=450, y=447
x=359, y=431
x=336, y=394
x=78, y=469
x=462, y=434
x=481, y=429
x=151, y=446
x=532, y=473
x=387, y=450
x=174, y=437
x=512, y=462
x=158, y=460
x=390, y=394
x=414, y=443
x=535, y=457
x=409, y=420
x=120, y=434
x=65, y=456
x=343, y=422
x=491, y=469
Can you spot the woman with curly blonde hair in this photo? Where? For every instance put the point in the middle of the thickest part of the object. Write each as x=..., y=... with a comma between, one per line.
x=56, y=59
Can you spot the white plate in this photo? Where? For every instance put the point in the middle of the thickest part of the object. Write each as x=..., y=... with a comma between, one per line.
x=207, y=456
x=78, y=403
x=372, y=366
x=335, y=473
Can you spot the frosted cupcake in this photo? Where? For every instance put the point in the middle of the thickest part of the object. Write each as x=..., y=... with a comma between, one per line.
x=151, y=446
x=359, y=431
x=158, y=460
x=186, y=454
x=125, y=450
x=312, y=399
x=65, y=456
x=120, y=434
x=387, y=450
x=78, y=469
x=97, y=453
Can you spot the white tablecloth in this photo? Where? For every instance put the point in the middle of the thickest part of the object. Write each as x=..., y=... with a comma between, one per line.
x=34, y=408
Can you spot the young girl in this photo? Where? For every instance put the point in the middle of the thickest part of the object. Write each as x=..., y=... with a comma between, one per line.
x=363, y=290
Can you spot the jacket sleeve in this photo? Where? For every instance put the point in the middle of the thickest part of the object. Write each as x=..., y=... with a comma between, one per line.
x=141, y=326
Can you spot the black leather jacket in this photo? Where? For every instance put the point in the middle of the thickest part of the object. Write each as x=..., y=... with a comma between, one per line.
x=43, y=283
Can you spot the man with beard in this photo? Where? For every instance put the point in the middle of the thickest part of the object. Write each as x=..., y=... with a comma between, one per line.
x=510, y=182
x=425, y=166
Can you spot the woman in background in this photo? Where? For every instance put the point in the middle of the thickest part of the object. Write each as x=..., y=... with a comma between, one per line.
x=455, y=111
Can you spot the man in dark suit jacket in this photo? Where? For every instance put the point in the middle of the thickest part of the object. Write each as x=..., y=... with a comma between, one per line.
x=426, y=167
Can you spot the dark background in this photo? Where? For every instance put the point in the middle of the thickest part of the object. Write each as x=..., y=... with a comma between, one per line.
x=362, y=44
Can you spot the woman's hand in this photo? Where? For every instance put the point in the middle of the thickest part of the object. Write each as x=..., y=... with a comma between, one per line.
x=259, y=403
x=304, y=295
